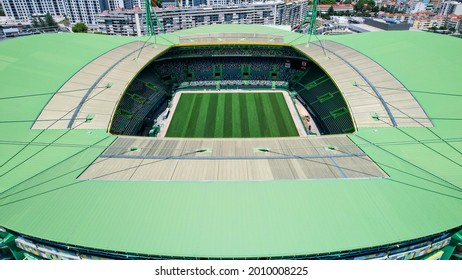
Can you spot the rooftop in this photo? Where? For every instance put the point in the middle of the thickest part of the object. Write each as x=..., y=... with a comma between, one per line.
x=41, y=197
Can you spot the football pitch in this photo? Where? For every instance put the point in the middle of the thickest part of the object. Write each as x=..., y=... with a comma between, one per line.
x=231, y=115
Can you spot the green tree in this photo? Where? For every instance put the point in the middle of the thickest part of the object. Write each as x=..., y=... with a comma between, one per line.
x=330, y=11
x=50, y=21
x=65, y=21
x=359, y=6
x=2, y=13
x=41, y=22
x=452, y=29
x=156, y=3
x=371, y=3
x=80, y=28
x=35, y=23
x=327, y=2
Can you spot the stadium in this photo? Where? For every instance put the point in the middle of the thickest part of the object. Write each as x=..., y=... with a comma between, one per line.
x=231, y=142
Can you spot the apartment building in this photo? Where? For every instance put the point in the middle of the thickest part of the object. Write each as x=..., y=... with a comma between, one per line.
x=76, y=10
x=450, y=7
x=23, y=10
x=123, y=22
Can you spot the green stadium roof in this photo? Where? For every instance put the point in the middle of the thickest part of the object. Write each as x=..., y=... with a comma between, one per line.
x=41, y=197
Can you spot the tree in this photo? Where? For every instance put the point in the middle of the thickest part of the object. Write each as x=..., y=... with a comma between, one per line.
x=156, y=3
x=80, y=28
x=50, y=21
x=35, y=23
x=359, y=6
x=65, y=21
x=330, y=11
x=452, y=29
x=327, y=2
x=2, y=13
x=41, y=22
x=371, y=3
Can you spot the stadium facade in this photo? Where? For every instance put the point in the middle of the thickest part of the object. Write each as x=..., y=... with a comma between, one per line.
x=382, y=181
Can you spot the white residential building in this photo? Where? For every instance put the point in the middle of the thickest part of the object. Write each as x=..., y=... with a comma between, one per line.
x=413, y=7
x=84, y=10
x=115, y=4
x=77, y=10
x=25, y=9
x=270, y=13
x=450, y=7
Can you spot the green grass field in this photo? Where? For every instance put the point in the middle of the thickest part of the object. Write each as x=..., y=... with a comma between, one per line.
x=231, y=115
